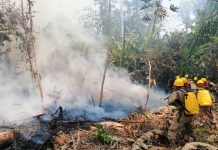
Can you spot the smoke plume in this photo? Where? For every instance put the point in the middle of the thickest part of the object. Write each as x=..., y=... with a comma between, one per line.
x=71, y=61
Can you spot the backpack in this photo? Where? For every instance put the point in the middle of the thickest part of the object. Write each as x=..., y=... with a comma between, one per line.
x=191, y=104
x=204, y=98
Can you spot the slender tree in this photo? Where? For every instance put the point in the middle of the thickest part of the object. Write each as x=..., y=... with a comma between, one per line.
x=31, y=51
x=149, y=85
x=155, y=17
x=122, y=32
x=108, y=54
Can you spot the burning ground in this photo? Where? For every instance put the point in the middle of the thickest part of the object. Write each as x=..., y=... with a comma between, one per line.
x=133, y=132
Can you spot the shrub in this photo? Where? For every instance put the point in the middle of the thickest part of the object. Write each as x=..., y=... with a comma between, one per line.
x=102, y=135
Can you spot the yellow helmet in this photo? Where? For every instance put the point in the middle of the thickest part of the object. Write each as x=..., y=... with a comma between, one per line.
x=195, y=78
x=184, y=79
x=177, y=77
x=178, y=82
x=200, y=82
x=186, y=76
x=203, y=79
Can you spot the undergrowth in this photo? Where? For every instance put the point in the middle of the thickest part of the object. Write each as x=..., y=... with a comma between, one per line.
x=102, y=135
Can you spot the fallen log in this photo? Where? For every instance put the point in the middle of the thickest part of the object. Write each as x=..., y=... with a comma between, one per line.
x=6, y=127
x=111, y=124
x=125, y=121
x=39, y=115
x=7, y=138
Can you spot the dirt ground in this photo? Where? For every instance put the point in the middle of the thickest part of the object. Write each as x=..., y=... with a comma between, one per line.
x=134, y=132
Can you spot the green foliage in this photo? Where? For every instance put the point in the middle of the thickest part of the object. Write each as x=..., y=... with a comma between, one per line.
x=102, y=135
x=9, y=23
x=192, y=50
x=201, y=47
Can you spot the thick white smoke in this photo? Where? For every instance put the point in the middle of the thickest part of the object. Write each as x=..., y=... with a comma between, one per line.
x=17, y=99
x=74, y=63
x=71, y=61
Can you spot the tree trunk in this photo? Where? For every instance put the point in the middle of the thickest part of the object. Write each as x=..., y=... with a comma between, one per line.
x=155, y=18
x=32, y=54
x=122, y=33
x=149, y=86
x=108, y=55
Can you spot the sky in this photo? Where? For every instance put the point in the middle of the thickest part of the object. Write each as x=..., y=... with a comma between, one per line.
x=72, y=9
x=173, y=21
x=69, y=8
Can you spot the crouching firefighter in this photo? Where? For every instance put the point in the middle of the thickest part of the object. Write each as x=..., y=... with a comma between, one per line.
x=186, y=106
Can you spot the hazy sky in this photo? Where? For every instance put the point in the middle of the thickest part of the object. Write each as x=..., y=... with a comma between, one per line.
x=173, y=21
x=48, y=8
x=72, y=8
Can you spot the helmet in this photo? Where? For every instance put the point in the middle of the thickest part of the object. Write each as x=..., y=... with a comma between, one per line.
x=177, y=77
x=200, y=82
x=203, y=79
x=184, y=79
x=195, y=78
x=186, y=76
x=178, y=82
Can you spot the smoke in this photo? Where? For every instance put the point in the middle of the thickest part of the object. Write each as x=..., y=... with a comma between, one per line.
x=74, y=64
x=71, y=60
x=17, y=102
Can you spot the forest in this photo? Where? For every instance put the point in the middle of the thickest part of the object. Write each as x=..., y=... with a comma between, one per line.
x=101, y=74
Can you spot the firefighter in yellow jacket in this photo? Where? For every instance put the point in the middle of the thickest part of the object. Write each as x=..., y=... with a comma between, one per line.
x=179, y=118
x=206, y=100
x=194, y=83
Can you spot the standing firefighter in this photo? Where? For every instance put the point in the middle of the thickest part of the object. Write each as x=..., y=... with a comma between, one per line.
x=206, y=83
x=186, y=82
x=194, y=83
x=205, y=101
x=187, y=76
x=177, y=77
x=180, y=119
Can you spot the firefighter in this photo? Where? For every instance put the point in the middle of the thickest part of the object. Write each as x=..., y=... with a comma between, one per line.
x=184, y=80
x=206, y=84
x=186, y=84
x=205, y=101
x=152, y=81
x=186, y=76
x=210, y=86
x=177, y=77
x=179, y=118
x=195, y=80
x=194, y=83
